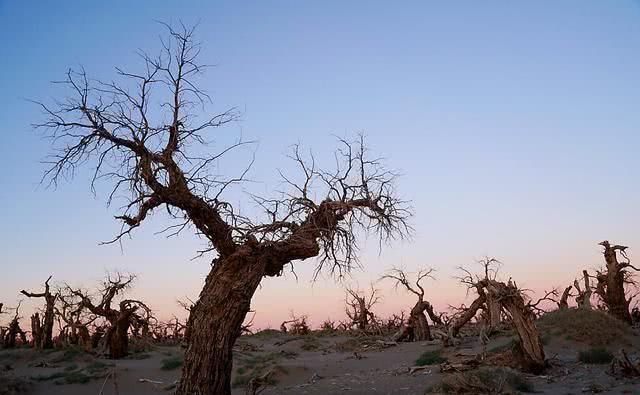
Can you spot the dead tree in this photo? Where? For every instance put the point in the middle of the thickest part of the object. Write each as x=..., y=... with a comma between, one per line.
x=158, y=156
x=418, y=326
x=45, y=337
x=529, y=349
x=611, y=282
x=116, y=336
x=73, y=320
x=583, y=298
x=359, y=306
x=14, y=334
x=563, y=302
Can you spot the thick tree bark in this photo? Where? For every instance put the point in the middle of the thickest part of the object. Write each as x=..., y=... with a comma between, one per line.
x=466, y=316
x=36, y=331
x=418, y=321
x=494, y=313
x=563, y=303
x=215, y=324
x=117, y=338
x=523, y=319
x=46, y=340
x=584, y=295
x=610, y=285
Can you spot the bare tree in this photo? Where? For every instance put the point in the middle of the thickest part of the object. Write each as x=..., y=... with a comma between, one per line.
x=45, y=340
x=73, y=319
x=159, y=157
x=14, y=334
x=563, y=302
x=120, y=320
x=418, y=324
x=359, y=308
x=583, y=298
x=611, y=282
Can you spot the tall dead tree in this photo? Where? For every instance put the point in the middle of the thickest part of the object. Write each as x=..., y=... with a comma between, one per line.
x=418, y=326
x=158, y=156
x=73, y=319
x=45, y=328
x=116, y=337
x=611, y=282
x=583, y=298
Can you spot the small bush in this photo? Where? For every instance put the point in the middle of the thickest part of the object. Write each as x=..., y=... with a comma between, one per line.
x=595, y=355
x=172, y=363
x=430, y=358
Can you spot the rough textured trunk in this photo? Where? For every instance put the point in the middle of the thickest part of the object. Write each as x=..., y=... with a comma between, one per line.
x=215, y=324
x=117, y=339
x=532, y=356
x=494, y=313
x=563, y=303
x=434, y=317
x=466, y=316
x=418, y=321
x=610, y=285
x=36, y=331
x=584, y=295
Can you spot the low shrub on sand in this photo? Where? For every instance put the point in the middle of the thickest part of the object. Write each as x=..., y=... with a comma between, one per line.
x=596, y=355
x=486, y=380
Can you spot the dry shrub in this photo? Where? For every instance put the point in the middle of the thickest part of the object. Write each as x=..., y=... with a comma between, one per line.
x=591, y=327
x=486, y=380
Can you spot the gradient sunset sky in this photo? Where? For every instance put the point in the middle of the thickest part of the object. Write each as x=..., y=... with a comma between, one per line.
x=516, y=126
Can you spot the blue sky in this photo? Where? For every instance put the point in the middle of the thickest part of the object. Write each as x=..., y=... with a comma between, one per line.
x=515, y=126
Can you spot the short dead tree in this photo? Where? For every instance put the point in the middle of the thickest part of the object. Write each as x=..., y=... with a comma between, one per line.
x=120, y=320
x=611, y=281
x=417, y=326
x=297, y=325
x=563, y=302
x=142, y=135
x=359, y=308
x=583, y=298
x=43, y=338
x=14, y=335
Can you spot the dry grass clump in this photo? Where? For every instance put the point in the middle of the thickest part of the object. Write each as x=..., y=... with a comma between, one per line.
x=251, y=366
x=592, y=327
x=73, y=374
x=486, y=380
x=431, y=358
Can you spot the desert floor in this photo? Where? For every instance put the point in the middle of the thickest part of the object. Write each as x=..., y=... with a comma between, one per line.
x=317, y=364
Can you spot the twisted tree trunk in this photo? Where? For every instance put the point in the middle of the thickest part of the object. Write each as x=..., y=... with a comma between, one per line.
x=466, y=316
x=563, y=304
x=418, y=321
x=584, y=296
x=610, y=285
x=215, y=324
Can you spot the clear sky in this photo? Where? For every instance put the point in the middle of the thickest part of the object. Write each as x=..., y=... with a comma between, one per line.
x=516, y=125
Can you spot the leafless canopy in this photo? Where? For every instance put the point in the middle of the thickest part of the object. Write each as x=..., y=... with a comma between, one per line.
x=142, y=136
x=400, y=278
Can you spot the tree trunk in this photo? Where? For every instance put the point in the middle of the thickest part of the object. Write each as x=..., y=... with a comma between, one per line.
x=611, y=285
x=418, y=320
x=563, y=303
x=36, y=331
x=215, y=324
x=532, y=356
x=494, y=312
x=47, y=325
x=466, y=316
x=117, y=338
x=584, y=296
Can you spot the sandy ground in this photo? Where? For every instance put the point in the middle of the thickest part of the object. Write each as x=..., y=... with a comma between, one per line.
x=304, y=365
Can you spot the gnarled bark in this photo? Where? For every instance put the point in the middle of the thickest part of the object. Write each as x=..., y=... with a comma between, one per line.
x=583, y=299
x=523, y=319
x=611, y=282
x=563, y=302
x=45, y=339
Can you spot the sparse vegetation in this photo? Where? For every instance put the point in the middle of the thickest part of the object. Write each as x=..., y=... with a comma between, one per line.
x=591, y=327
x=257, y=365
x=12, y=385
x=73, y=374
x=484, y=381
x=595, y=355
